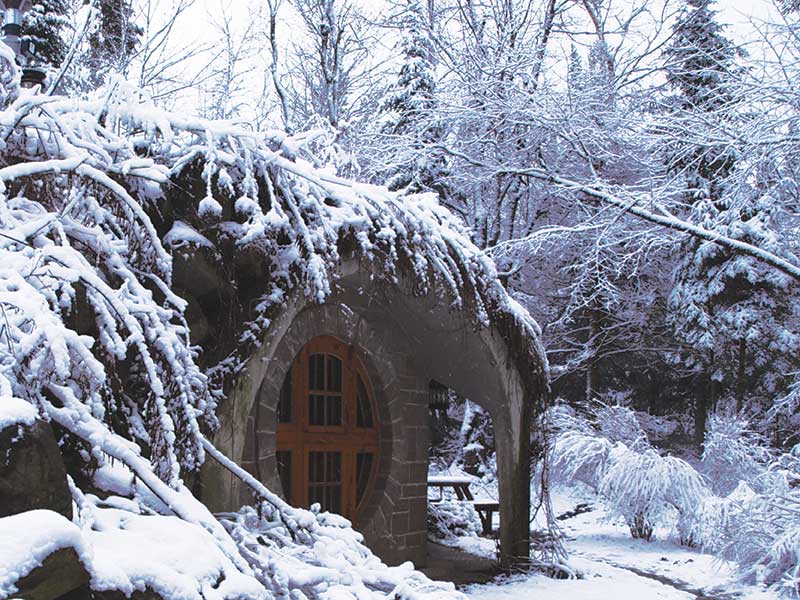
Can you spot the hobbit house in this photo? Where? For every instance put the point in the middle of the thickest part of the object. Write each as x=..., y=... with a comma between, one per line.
x=327, y=401
x=222, y=299
x=333, y=408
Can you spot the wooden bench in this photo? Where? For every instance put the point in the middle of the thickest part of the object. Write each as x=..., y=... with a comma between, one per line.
x=460, y=485
x=485, y=510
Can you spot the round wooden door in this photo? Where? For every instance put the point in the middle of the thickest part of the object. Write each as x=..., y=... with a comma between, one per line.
x=328, y=434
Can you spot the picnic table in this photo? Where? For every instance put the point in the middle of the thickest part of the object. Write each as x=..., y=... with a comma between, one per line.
x=460, y=485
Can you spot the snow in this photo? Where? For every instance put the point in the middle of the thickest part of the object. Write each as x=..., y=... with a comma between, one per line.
x=172, y=557
x=449, y=480
x=601, y=582
x=15, y=411
x=209, y=207
x=114, y=477
x=183, y=234
x=29, y=538
x=613, y=565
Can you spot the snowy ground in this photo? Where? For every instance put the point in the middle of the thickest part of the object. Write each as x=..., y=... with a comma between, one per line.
x=616, y=567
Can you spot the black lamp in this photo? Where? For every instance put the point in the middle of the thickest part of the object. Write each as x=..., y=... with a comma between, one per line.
x=437, y=396
x=25, y=50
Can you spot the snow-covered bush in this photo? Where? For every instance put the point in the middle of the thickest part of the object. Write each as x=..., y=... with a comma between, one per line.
x=614, y=457
x=475, y=453
x=784, y=469
x=619, y=423
x=732, y=452
x=758, y=525
x=763, y=537
x=645, y=488
x=580, y=456
x=658, y=428
x=562, y=418
x=582, y=446
x=452, y=519
x=715, y=516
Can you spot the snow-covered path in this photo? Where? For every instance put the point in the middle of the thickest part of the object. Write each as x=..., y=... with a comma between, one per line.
x=613, y=566
x=600, y=582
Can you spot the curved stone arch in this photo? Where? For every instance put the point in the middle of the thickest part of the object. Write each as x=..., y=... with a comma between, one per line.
x=375, y=349
x=441, y=342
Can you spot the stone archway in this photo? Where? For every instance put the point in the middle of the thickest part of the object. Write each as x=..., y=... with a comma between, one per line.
x=401, y=410
x=406, y=339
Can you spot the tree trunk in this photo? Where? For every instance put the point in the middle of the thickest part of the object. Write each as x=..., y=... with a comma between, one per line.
x=740, y=376
x=594, y=328
x=655, y=393
x=703, y=391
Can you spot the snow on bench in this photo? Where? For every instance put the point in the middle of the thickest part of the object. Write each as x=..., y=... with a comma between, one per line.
x=448, y=480
x=460, y=484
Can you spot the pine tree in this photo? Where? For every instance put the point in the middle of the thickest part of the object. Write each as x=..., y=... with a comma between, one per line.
x=114, y=40
x=732, y=312
x=408, y=109
x=728, y=310
x=700, y=63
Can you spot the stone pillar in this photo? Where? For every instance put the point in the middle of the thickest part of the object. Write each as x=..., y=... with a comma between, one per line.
x=513, y=470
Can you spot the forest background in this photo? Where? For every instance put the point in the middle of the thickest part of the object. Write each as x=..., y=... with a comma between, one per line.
x=631, y=167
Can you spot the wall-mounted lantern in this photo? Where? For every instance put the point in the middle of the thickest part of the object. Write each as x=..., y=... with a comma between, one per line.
x=437, y=396
x=25, y=50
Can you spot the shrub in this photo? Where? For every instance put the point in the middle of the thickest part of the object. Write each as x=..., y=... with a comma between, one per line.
x=620, y=424
x=642, y=486
x=732, y=453
x=716, y=515
x=562, y=418
x=659, y=428
x=448, y=520
x=764, y=539
x=580, y=456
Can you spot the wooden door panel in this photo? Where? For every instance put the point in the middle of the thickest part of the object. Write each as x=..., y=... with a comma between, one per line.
x=327, y=368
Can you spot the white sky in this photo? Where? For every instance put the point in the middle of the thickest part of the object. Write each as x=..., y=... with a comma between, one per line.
x=735, y=13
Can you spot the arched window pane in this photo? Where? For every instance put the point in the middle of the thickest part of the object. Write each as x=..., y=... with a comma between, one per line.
x=325, y=480
x=316, y=372
x=334, y=382
x=364, y=406
x=363, y=472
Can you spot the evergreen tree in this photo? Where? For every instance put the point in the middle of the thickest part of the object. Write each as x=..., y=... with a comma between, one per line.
x=728, y=310
x=44, y=25
x=700, y=63
x=408, y=111
x=113, y=42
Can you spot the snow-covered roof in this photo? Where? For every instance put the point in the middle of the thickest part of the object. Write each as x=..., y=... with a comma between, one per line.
x=91, y=332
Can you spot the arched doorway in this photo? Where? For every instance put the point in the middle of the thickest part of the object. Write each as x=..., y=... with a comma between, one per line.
x=328, y=432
